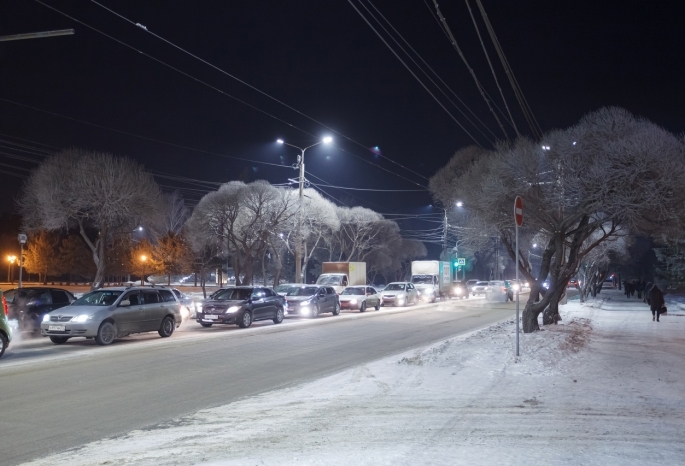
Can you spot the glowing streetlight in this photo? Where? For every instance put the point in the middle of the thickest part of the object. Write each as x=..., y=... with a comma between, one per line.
x=10, y=261
x=300, y=165
x=460, y=204
x=143, y=259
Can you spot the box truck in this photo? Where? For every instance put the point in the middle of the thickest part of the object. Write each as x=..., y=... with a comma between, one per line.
x=340, y=275
x=432, y=279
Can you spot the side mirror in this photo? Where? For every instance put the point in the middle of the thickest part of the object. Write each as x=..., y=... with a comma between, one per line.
x=125, y=303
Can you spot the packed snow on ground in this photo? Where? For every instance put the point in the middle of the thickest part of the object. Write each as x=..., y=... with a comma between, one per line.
x=604, y=387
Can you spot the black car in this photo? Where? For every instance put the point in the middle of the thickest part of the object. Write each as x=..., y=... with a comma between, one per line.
x=459, y=289
x=312, y=300
x=241, y=305
x=28, y=305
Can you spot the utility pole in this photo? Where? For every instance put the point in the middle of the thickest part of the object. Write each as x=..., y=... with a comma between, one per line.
x=298, y=237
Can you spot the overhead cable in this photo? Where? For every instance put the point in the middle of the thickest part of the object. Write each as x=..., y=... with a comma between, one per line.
x=453, y=41
x=241, y=81
x=223, y=92
x=412, y=72
x=494, y=75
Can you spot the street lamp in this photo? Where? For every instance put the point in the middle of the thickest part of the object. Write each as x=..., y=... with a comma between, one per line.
x=10, y=262
x=460, y=204
x=143, y=259
x=300, y=164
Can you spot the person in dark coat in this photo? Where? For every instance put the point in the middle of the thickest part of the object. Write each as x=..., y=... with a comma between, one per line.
x=640, y=287
x=626, y=290
x=656, y=302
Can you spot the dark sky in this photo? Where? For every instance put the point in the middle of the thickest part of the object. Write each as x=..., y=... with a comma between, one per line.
x=321, y=58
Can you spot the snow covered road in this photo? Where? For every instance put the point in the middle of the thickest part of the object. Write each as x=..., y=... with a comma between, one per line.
x=603, y=387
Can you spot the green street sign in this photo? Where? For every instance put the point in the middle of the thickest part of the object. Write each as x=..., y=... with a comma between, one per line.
x=461, y=261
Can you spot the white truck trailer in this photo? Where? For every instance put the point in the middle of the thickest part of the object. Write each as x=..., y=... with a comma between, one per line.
x=340, y=275
x=432, y=279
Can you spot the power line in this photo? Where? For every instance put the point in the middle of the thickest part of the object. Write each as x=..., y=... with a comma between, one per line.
x=453, y=41
x=432, y=71
x=241, y=81
x=412, y=72
x=221, y=91
x=494, y=75
x=523, y=103
x=378, y=190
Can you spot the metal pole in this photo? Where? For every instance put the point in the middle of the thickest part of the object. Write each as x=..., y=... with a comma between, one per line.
x=298, y=248
x=518, y=289
x=9, y=272
x=21, y=262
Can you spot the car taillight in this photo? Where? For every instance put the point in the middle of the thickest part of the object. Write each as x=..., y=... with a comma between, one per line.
x=4, y=306
x=504, y=289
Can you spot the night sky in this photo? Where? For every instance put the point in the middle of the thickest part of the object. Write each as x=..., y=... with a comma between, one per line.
x=321, y=58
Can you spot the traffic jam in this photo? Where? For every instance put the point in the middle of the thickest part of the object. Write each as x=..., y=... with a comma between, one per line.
x=110, y=313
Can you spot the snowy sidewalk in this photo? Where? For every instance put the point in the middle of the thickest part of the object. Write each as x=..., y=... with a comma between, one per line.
x=604, y=387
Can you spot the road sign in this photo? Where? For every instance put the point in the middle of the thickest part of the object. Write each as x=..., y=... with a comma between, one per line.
x=22, y=238
x=461, y=261
x=518, y=210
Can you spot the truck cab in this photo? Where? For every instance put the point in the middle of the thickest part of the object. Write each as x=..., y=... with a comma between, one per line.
x=338, y=281
x=427, y=287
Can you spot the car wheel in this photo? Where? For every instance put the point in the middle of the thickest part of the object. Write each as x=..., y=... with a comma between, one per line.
x=279, y=316
x=3, y=343
x=106, y=334
x=59, y=340
x=206, y=324
x=336, y=309
x=378, y=306
x=316, y=311
x=246, y=320
x=167, y=327
x=362, y=308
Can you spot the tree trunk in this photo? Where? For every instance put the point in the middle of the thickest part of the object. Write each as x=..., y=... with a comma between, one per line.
x=529, y=319
x=202, y=282
x=264, y=267
x=168, y=281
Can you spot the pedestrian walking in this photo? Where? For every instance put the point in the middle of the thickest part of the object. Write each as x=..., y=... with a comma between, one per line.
x=640, y=288
x=626, y=288
x=656, y=302
x=632, y=288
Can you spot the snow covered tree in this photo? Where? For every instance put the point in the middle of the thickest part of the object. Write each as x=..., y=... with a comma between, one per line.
x=102, y=196
x=609, y=172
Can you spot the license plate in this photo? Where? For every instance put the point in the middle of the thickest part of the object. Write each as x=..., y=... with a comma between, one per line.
x=211, y=317
x=56, y=328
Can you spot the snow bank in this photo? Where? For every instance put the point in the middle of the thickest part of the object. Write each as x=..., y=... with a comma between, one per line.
x=603, y=387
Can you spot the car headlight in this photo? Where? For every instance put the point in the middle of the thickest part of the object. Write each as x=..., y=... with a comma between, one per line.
x=353, y=301
x=233, y=309
x=515, y=287
x=46, y=318
x=82, y=318
x=198, y=307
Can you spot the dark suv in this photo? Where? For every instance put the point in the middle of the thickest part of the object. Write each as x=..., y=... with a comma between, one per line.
x=312, y=300
x=242, y=305
x=28, y=305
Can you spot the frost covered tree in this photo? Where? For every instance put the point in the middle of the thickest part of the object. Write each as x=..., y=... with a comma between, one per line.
x=610, y=171
x=238, y=221
x=100, y=195
x=40, y=257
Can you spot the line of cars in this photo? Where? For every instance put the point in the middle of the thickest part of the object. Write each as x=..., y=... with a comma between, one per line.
x=109, y=313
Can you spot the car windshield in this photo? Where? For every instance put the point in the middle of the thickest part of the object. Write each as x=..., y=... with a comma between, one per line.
x=482, y=283
x=354, y=291
x=282, y=288
x=331, y=280
x=422, y=279
x=495, y=283
x=302, y=291
x=394, y=287
x=98, y=298
x=234, y=294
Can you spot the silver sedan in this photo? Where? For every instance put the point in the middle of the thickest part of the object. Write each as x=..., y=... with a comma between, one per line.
x=111, y=313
